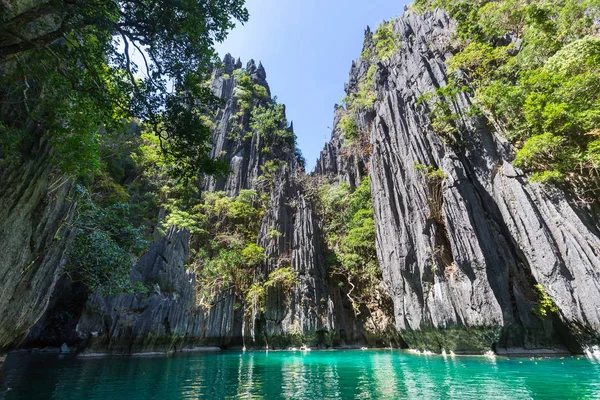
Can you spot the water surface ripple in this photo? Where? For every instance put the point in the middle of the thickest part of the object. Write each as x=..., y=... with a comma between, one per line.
x=352, y=374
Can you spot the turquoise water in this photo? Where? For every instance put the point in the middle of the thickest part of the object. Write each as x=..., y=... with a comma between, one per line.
x=376, y=374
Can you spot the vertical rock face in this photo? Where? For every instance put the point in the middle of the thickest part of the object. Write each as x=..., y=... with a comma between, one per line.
x=303, y=312
x=290, y=231
x=169, y=318
x=165, y=319
x=468, y=256
x=35, y=208
x=334, y=164
x=348, y=161
x=288, y=214
x=468, y=248
x=136, y=322
x=243, y=156
x=316, y=312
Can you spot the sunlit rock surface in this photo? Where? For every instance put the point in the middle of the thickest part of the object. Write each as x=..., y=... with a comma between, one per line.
x=467, y=282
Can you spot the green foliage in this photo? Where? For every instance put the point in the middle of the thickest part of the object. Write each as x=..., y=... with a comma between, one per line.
x=242, y=78
x=74, y=77
x=334, y=198
x=224, y=229
x=444, y=121
x=243, y=91
x=545, y=304
x=370, y=75
x=103, y=266
x=269, y=170
x=360, y=100
x=435, y=178
x=253, y=255
x=260, y=91
x=543, y=87
x=266, y=117
x=229, y=265
x=225, y=254
x=73, y=81
x=271, y=125
x=10, y=140
x=358, y=245
x=159, y=183
x=365, y=97
x=231, y=216
x=547, y=176
x=348, y=127
x=71, y=118
x=350, y=235
x=255, y=298
x=480, y=60
x=246, y=92
x=538, y=149
x=561, y=100
x=273, y=233
x=386, y=41
x=105, y=240
x=284, y=278
x=113, y=218
x=430, y=172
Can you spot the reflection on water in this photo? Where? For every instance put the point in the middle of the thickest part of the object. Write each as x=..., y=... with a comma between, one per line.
x=380, y=374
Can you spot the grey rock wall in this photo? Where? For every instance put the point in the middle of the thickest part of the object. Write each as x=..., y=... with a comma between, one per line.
x=299, y=317
x=334, y=162
x=466, y=282
x=243, y=155
x=316, y=312
x=35, y=210
x=167, y=318
x=461, y=258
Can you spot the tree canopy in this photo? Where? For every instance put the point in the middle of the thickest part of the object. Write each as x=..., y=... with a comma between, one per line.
x=68, y=65
x=534, y=70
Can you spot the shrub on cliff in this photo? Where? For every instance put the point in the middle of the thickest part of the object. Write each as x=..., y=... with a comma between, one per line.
x=223, y=244
x=349, y=227
x=535, y=70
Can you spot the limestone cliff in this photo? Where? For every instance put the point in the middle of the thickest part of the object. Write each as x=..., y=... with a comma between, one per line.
x=234, y=141
x=35, y=208
x=335, y=162
x=315, y=313
x=469, y=249
x=170, y=317
x=469, y=254
x=167, y=318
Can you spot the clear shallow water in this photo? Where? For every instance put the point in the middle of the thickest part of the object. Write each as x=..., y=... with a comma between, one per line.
x=296, y=375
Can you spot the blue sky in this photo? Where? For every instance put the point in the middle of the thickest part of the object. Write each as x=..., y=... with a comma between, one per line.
x=307, y=48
